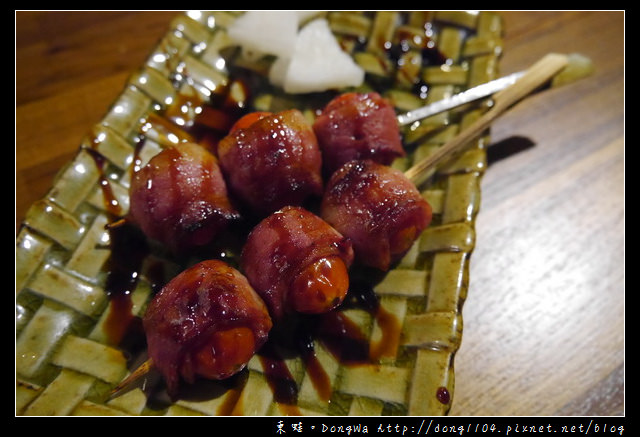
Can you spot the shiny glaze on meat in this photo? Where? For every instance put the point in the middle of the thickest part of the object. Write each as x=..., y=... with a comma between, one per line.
x=297, y=262
x=273, y=162
x=377, y=208
x=180, y=197
x=358, y=126
x=206, y=322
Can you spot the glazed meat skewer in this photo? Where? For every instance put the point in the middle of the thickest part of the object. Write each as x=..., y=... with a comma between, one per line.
x=271, y=161
x=297, y=263
x=377, y=208
x=380, y=210
x=358, y=126
x=180, y=198
x=206, y=322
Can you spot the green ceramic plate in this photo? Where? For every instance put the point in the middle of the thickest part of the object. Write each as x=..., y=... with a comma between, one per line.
x=77, y=337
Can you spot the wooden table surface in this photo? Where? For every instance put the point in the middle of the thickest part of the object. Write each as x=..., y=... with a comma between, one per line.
x=544, y=319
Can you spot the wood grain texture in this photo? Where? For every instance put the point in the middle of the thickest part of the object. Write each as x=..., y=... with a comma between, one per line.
x=544, y=319
x=70, y=66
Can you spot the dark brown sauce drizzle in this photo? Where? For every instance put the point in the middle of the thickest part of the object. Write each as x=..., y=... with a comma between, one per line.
x=346, y=341
x=193, y=118
x=129, y=249
x=338, y=334
x=443, y=395
x=232, y=403
x=110, y=202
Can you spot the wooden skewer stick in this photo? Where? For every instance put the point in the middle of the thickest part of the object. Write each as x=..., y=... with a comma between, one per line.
x=138, y=373
x=539, y=73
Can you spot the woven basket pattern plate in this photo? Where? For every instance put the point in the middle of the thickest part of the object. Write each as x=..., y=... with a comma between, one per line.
x=70, y=348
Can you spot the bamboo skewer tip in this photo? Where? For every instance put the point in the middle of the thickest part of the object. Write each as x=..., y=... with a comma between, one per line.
x=142, y=370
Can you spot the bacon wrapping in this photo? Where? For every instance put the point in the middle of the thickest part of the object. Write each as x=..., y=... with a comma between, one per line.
x=272, y=162
x=206, y=322
x=358, y=126
x=377, y=208
x=180, y=197
x=297, y=262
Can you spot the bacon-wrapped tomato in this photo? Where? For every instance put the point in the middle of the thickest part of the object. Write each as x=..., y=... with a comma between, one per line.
x=180, y=197
x=206, y=322
x=271, y=161
x=358, y=126
x=377, y=208
x=297, y=263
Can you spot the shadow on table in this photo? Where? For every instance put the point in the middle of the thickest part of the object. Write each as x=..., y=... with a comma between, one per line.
x=507, y=147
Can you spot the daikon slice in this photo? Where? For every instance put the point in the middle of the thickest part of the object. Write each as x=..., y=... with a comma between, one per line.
x=318, y=63
x=266, y=32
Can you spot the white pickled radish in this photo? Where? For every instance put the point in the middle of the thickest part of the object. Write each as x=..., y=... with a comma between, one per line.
x=318, y=63
x=266, y=32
